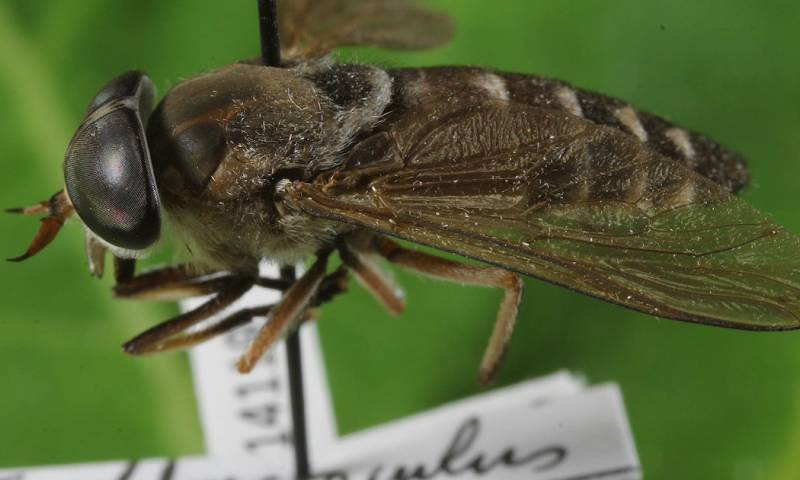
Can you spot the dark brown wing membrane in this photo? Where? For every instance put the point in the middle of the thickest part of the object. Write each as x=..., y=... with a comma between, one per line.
x=571, y=202
x=317, y=27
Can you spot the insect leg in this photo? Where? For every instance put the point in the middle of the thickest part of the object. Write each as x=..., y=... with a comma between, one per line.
x=284, y=316
x=375, y=281
x=124, y=269
x=177, y=282
x=484, y=276
x=331, y=285
x=153, y=340
x=237, y=319
x=171, y=283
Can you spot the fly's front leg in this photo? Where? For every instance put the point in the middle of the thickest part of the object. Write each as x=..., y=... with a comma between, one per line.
x=165, y=335
x=180, y=281
x=172, y=336
x=177, y=282
x=124, y=269
x=237, y=319
x=484, y=276
x=173, y=283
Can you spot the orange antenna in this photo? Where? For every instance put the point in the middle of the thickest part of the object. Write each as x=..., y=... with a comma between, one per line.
x=58, y=210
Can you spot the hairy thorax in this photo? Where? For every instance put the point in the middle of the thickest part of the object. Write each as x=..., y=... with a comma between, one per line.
x=223, y=142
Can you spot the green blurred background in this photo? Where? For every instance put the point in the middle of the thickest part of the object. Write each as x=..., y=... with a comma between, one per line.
x=703, y=402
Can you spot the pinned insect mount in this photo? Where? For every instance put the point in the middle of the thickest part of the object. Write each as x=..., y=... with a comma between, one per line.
x=302, y=157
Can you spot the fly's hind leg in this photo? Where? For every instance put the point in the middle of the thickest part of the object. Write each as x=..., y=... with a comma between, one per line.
x=483, y=276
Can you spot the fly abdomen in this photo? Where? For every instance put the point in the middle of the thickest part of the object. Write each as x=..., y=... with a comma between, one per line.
x=706, y=157
x=599, y=167
x=465, y=85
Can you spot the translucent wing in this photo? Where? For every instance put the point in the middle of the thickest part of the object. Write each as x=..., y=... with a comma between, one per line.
x=571, y=202
x=317, y=27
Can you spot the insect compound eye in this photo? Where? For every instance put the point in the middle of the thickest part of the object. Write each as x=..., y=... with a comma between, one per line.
x=107, y=168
